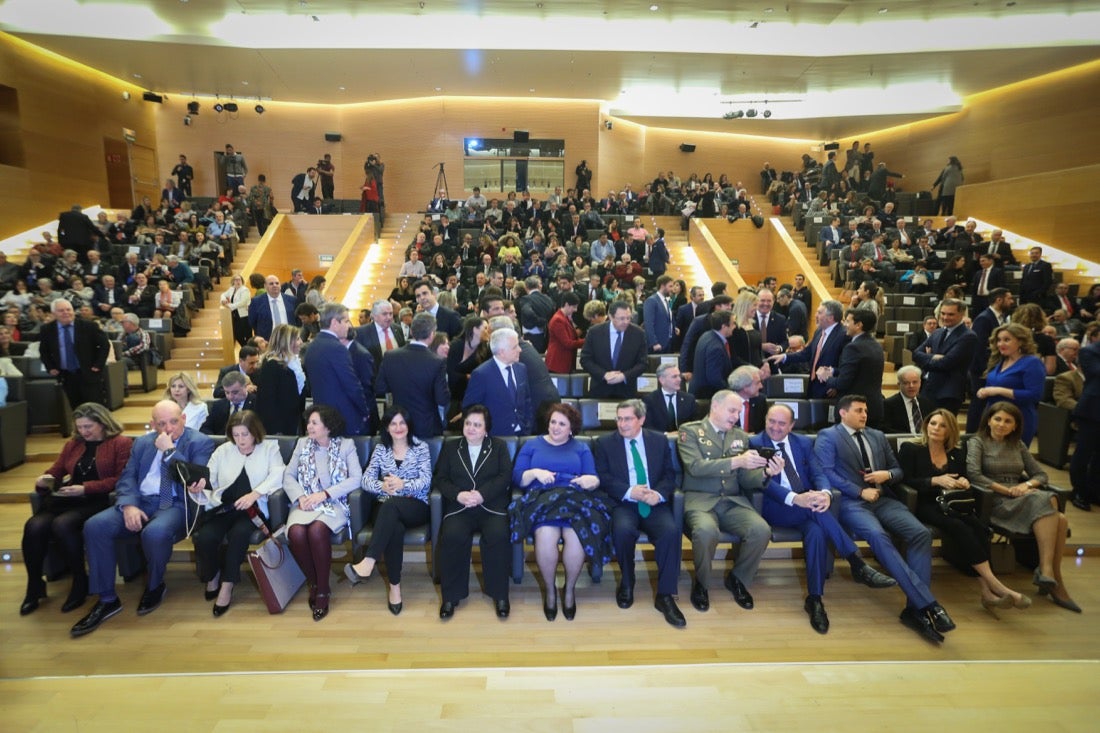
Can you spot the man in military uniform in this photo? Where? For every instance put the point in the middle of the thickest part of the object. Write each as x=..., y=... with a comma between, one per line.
x=718, y=468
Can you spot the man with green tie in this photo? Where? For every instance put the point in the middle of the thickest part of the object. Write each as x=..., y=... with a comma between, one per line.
x=635, y=469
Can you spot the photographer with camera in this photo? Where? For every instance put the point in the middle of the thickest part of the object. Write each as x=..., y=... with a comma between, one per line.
x=327, y=173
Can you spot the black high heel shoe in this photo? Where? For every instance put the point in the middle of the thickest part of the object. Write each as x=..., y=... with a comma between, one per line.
x=210, y=594
x=319, y=611
x=551, y=612
x=568, y=611
x=219, y=611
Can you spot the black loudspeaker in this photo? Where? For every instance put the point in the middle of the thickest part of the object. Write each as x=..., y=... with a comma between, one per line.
x=150, y=97
x=521, y=136
x=230, y=106
x=687, y=148
x=333, y=137
x=831, y=146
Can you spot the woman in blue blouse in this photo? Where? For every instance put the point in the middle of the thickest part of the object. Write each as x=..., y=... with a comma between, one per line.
x=1015, y=374
x=398, y=476
x=561, y=501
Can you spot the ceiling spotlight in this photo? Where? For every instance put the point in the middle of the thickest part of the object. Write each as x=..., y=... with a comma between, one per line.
x=654, y=7
x=125, y=96
x=767, y=113
x=230, y=106
x=219, y=107
x=259, y=109
x=192, y=108
x=883, y=11
x=187, y=120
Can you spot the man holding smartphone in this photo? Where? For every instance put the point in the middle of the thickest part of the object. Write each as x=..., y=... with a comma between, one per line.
x=799, y=497
x=150, y=502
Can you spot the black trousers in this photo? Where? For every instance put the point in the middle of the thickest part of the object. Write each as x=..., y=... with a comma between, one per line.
x=62, y=520
x=968, y=534
x=242, y=331
x=627, y=524
x=83, y=386
x=391, y=518
x=456, y=538
x=233, y=526
x=1084, y=467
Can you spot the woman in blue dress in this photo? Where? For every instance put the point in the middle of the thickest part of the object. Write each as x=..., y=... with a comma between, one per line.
x=561, y=501
x=1015, y=374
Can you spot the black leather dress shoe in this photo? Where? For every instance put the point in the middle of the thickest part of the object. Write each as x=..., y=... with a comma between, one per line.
x=624, y=596
x=151, y=599
x=920, y=623
x=1081, y=504
x=446, y=610
x=30, y=604
x=666, y=604
x=73, y=602
x=740, y=592
x=100, y=612
x=700, y=598
x=940, y=619
x=819, y=620
x=504, y=608
x=872, y=578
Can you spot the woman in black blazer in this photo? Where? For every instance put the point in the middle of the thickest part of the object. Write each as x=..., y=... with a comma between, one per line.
x=474, y=474
x=934, y=465
x=279, y=400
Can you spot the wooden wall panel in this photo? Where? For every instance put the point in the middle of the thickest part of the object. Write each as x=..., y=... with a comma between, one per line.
x=1035, y=126
x=411, y=136
x=1046, y=207
x=65, y=111
x=622, y=152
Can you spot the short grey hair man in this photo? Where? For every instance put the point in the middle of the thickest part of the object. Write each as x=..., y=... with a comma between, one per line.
x=422, y=327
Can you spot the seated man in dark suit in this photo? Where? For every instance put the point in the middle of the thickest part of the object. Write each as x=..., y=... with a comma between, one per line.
x=248, y=359
x=905, y=411
x=917, y=338
x=858, y=461
x=660, y=414
x=501, y=385
x=635, y=470
x=799, y=497
x=149, y=502
x=234, y=385
x=106, y=296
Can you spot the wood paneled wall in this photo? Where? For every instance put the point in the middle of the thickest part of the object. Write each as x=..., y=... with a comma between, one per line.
x=411, y=136
x=1035, y=126
x=65, y=112
x=1054, y=208
x=622, y=152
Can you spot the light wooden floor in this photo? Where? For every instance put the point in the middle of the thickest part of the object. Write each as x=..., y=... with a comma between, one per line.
x=760, y=670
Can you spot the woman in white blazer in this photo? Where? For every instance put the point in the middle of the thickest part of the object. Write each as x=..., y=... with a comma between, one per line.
x=243, y=472
x=236, y=299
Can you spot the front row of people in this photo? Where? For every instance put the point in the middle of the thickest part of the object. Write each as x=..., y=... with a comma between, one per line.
x=592, y=501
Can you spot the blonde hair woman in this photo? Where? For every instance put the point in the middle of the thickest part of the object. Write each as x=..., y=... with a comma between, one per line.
x=182, y=390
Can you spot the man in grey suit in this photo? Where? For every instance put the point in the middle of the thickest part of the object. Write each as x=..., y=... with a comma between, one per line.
x=859, y=463
x=718, y=469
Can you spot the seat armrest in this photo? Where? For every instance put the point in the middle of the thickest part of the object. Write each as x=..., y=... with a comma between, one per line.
x=278, y=508
x=1062, y=495
x=359, y=504
x=985, y=503
x=908, y=496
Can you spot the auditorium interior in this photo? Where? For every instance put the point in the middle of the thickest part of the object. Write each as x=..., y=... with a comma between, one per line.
x=100, y=98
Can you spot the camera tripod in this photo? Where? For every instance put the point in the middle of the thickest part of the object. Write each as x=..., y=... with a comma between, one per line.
x=440, y=183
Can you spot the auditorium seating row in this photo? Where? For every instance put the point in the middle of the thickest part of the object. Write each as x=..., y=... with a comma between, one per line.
x=359, y=530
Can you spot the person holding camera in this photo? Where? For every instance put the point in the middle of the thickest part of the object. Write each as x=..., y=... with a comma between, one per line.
x=327, y=173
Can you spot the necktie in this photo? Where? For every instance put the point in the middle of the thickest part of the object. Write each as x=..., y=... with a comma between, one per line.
x=745, y=417
x=982, y=287
x=511, y=382
x=817, y=353
x=276, y=315
x=389, y=341
x=728, y=352
x=166, y=492
x=236, y=407
x=68, y=353
x=672, y=412
x=918, y=419
x=639, y=472
x=618, y=347
x=764, y=326
x=863, y=451
x=789, y=471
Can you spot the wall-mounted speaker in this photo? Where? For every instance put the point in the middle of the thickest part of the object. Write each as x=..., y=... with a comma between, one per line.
x=521, y=136
x=150, y=97
x=831, y=146
x=230, y=106
x=333, y=137
x=687, y=148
